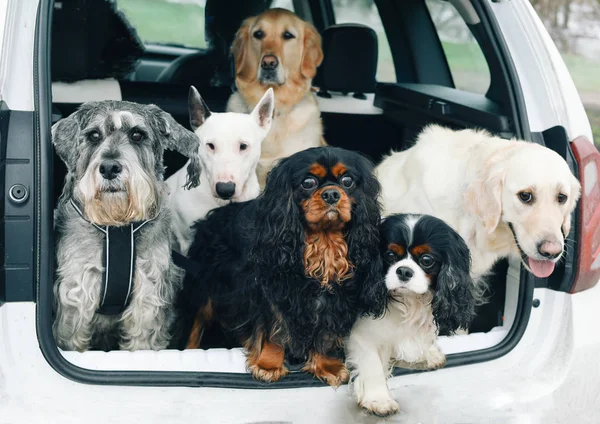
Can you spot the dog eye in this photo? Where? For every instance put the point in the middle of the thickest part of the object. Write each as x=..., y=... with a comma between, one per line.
x=309, y=183
x=426, y=261
x=562, y=198
x=136, y=136
x=258, y=34
x=211, y=146
x=288, y=35
x=526, y=197
x=347, y=181
x=390, y=256
x=243, y=146
x=94, y=136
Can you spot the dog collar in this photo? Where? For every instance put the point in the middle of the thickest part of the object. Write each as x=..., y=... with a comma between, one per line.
x=118, y=260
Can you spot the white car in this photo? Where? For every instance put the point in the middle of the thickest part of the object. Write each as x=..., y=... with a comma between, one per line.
x=532, y=354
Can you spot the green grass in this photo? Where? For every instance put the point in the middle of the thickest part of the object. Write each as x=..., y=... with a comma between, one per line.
x=169, y=23
x=593, y=114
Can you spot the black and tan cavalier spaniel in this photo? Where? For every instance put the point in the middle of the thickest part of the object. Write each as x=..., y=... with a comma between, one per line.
x=290, y=272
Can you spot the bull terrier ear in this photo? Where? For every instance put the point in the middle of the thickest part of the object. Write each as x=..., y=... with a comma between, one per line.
x=263, y=112
x=198, y=110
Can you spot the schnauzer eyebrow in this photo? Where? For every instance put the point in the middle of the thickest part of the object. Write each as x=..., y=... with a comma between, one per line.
x=119, y=120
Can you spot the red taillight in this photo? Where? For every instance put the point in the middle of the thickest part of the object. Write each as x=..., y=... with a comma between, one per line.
x=588, y=248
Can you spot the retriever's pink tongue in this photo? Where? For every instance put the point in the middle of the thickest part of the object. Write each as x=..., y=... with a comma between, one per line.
x=541, y=269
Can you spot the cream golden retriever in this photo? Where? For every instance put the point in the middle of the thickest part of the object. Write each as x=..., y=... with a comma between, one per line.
x=278, y=49
x=504, y=197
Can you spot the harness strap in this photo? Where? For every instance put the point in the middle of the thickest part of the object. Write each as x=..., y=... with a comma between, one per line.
x=118, y=258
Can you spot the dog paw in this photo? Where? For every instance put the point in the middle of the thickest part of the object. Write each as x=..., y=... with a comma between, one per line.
x=380, y=407
x=435, y=359
x=329, y=370
x=268, y=375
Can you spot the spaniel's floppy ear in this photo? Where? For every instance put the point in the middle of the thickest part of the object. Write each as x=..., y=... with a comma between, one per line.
x=572, y=202
x=280, y=234
x=173, y=136
x=484, y=199
x=455, y=298
x=65, y=138
x=312, y=54
x=363, y=242
x=243, y=69
x=197, y=108
x=263, y=111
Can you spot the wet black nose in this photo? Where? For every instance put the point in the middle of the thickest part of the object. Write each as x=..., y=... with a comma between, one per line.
x=226, y=190
x=404, y=273
x=269, y=62
x=331, y=196
x=109, y=169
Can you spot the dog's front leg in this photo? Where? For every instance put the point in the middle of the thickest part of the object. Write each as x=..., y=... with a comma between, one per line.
x=145, y=322
x=76, y=303
x=370, y=370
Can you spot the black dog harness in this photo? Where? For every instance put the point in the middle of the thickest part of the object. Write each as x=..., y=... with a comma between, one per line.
x=118, y=258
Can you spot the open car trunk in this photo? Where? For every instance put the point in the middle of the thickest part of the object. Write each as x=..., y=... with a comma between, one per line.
x=387, y=119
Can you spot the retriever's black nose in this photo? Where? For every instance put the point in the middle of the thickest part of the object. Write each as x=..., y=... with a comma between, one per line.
x=331, y=196
x=109, y=169
x=269, y=62
x=226, y=190
x=404, y=273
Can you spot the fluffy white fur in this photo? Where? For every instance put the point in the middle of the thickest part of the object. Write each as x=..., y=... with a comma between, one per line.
x=230, y=147
x=472, y=180
x=406, y=336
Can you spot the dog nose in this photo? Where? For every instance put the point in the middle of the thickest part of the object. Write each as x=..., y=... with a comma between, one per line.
x=109, y=169
x=404, y=273
x=269, y=62
x=549, y=249
x=331, y=196
x=226, y=190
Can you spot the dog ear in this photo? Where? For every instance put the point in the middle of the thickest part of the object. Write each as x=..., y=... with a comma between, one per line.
x=280, y=234
x=484, y=199
x=263, y=111
x=243, y=69
x=312, y=55
x=363, y=242
x=573, y=198
x=455, y=296
x=65, y=138
x=173, y=136
x=197, y=108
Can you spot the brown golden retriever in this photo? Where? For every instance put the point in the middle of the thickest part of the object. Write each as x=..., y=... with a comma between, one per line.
x=278, y=49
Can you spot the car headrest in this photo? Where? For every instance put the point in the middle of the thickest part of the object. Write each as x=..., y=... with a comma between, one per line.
x=92, y=39
x=350, y=60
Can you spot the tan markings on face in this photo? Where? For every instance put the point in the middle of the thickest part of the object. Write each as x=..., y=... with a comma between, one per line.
x=420, y=250
x=339, y=169
x=321, y=215
x=397, y=249
x=318, y=170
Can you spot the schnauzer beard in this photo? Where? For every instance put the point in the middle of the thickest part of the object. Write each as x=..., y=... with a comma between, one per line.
x=130, y=197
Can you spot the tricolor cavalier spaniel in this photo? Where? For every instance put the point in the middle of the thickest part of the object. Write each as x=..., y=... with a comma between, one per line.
x=430, y=292
x=290, y=272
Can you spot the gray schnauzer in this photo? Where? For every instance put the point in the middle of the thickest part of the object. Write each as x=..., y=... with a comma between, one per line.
x=115, y=279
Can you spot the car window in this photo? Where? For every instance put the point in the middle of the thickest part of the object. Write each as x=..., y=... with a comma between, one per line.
x=468, y=66
x=173, y=22
x=365, y=12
